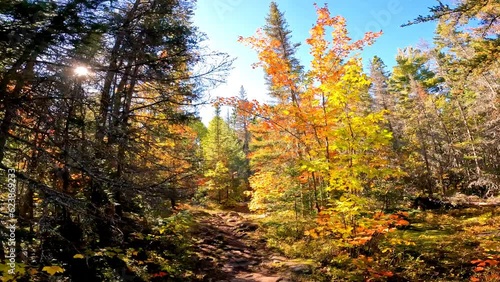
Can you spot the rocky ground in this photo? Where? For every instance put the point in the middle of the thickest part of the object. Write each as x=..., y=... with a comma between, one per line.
x=230, y=251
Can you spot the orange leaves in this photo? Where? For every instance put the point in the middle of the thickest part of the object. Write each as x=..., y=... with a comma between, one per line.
x=323, y=218
x=360, y=241
x=319, y=123
x=399, y=219
x=373, y=272
x=326, y=58
x=487, y=269
x=330, y=222
x=277, y=67
x=323, y=13
x=479, y=269
x=402, y=222
x=482, y=264
x=378, y=215
x=163, y=54
x=379, y=274
x=304, y=178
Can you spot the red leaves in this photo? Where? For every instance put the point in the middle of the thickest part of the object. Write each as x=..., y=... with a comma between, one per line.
x=159, y=274
x=373, y=272
x=379, y=274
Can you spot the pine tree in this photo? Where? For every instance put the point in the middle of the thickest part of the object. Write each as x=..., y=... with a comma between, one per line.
x=223, y=158
x=425, y=138
x=242, y=122
x=90, y=149
x=466, y=60
x=279, y=36
x=382, y=98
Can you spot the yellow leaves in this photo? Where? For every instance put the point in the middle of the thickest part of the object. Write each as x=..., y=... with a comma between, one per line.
x=312, y=233
x=326, y=132
x=385, y=250
x=396, y=242
x=52, y=270
x=78, y=256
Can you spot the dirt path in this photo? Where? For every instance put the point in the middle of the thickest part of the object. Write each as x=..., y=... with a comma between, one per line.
x=230, y=251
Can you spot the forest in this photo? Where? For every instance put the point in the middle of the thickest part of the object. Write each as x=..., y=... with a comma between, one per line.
x=349, y=172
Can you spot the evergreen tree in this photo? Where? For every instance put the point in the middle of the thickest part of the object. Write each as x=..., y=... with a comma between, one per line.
x=242, y=122
x=90, y=149
x=223, y=157
x=383, y=100
x=279, y=36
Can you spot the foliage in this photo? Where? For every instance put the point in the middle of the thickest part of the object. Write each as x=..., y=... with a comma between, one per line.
x=335, y=146
x=224, y=162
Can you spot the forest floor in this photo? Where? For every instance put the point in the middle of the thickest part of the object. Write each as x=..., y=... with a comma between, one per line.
x=453, y=245
x=230, y=248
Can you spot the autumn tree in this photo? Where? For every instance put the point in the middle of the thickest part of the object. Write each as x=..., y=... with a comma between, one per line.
x=332, y=148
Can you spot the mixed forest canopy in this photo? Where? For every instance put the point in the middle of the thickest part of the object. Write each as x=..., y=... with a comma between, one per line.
x=366, y=172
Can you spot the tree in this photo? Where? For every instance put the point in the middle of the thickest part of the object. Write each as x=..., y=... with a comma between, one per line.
x=242, y=122
x=464, y=58
x=327, y=150
x=382, y=98
x=223, y=157
x=416, y=88
x=279, y=36
x=96, y=155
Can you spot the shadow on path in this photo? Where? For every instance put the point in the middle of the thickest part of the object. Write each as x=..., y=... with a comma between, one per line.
x=229, y=253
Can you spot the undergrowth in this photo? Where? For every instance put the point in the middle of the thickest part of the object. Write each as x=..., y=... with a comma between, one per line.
x=456, y=245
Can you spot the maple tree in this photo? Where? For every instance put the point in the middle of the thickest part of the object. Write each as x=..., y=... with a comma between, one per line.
x=327, y=149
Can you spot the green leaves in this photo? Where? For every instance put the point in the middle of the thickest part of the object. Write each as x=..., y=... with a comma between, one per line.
x=223, y=160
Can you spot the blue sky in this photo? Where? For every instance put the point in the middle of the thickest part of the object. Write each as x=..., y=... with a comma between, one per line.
x=223, y=21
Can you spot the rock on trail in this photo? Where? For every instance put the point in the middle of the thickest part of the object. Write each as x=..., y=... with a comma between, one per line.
x=229, y=251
